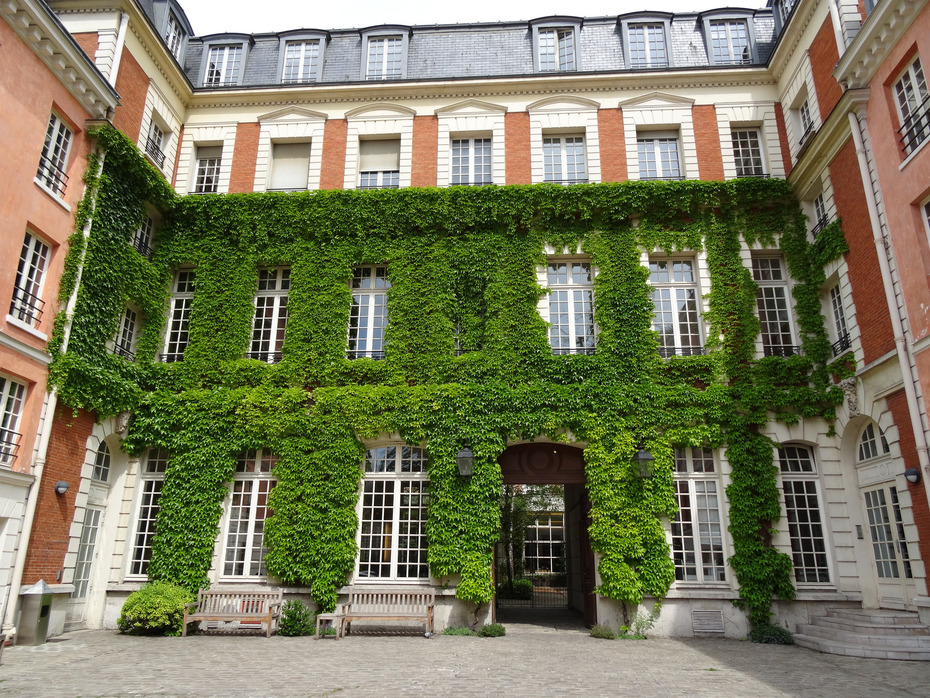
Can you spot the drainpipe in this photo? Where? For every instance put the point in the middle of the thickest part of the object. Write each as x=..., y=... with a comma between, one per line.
x=41, y=450
x=904, y=358
x=838, y=29
x=118, y=49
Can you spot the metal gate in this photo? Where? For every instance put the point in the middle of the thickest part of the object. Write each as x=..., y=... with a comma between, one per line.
x=537, y=568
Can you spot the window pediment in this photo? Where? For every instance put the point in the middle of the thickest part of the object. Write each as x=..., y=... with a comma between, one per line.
x=292, y=114
x=657, y=100
x=564, y=103
x=470, y=106
x=380, y=111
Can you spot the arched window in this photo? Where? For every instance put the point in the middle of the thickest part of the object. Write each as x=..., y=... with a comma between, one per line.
x=871, y=446
x=802, y=510
x=102, y=463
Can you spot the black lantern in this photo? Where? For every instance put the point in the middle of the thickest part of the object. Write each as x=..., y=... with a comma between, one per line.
x=643, y=461
x=912, y=475
x=465, y=459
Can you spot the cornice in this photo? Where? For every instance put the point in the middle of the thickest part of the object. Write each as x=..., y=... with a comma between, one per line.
x=40, y=356
x=56, y=48
x=791, y=37
x=880, y=32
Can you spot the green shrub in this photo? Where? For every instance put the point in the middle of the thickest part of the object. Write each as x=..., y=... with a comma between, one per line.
x=296, y=619
x=492, y=630
x=523, y=589
x=769, y=634
x=641, y=623
x=459, y=631
x=155, y=609
x=602, y=632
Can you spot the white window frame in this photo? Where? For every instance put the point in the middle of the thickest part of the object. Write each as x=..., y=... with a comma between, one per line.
x=208, y=163
x=842, y=343
x=805, y=121
x=124, y=343
x=643, y=36
x=653, y=144
x=698, y=528
x=871, y=446
x=384, y=475
x=547, y=532
x=722, y=36
x=368, y=316
x=391, y=64
x=155, y=142
x=912, y=99
x=177, y=332
x=102, y=458
x=748, y=151
x=808, y=537
x=12, y=400
x=142, y=238
x=472, y=161
x=174, y=35
x=302, y=61
x=224, y=64
x=556, y=51
x=887, y=534
x=770, y=292
x=243, y=549
x=572, y=329
x=51, y=174
x=670, y=288
x=151, y=480
x=26, y=304
x=269, y=322
x=564, y=159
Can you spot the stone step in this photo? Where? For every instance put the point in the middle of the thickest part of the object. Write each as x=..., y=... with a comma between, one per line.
x=870, y=628
x=875, y=616
x=865, y=639
x=854, y=650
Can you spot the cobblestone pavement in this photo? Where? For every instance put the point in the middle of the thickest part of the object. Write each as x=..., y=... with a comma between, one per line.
x=532, y=660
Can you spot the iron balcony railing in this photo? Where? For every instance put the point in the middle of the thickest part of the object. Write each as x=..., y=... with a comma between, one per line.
x=809, y=129
x=141, y=246
x=52, y=175
x=568, y=182
x=584, y=351
x=665, y=178
x=916, y=128
x=666, y=352
x=783, y=350
x=269, y=357
x=379, y=186
x=754, y=174
x=9, y=446
x=26, y=306
x=822, y=223
x=171, y=357
x=153, y=149
x=124, y=350
x=842, y=344
x=376, y=354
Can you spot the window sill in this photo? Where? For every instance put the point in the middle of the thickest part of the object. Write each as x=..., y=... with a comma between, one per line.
x=913, y=154
x=10, y=320
x=53, y=195
x=684, y=590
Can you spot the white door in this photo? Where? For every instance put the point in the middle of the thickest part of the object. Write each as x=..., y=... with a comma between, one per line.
x=83, y=568
x=894, y=577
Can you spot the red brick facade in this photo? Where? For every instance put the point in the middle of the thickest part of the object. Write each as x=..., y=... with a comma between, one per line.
x=517, y=141
x=425, y=151
x=897, y=403
x=51, y=533
x=245, y=153
x=132, y=84
x=824, y=57
x=333, y=168
x=707, y=140
x=783, y=138
x=613, y=145
x=88, y=42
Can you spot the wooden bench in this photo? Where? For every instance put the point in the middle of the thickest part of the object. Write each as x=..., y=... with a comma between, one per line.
x=390, y=604
x=262, y=607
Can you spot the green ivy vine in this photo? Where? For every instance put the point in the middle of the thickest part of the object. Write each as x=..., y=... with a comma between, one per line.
x=461, y=260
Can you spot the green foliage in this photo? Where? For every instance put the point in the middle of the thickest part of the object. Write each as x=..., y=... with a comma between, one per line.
x=770, y=634
x=461, y=257
x=492, y=630
x=522, y=589
x=602, y=632
x=296, y=619
x=641, y=624
x=155, y=609
x=467, y=632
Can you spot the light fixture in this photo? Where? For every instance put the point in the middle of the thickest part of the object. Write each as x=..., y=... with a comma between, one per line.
x=643, y=461
x=465, y=459
x=61, y=487
x=912, y=475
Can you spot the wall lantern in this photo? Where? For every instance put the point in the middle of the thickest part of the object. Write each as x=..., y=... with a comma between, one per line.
x=465, y=459
x=643, y=461
x=912, y=475
x=61, y=487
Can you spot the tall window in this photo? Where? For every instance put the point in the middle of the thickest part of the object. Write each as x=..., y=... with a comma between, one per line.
x=174, y=36
x=290, y=166
x=802, y=511
x=150, y=485
x=125, y=341
x=772, y=303
x=571, y=308
x=224, y=66
x=207, y=175
x=807, y=124
x=544, y=547
x=12, y=395
x=395, y=494
x=368, y=317
x=842, y=342
x=270, y=314
x=647, y=46
x=471, y=161
x=820, y=215
x=564, y=160
x=729, y=42
x=244, y=554
x=886, y=529
x=658, y=156
x=179, y=316
x=142, y=239
x=675, y=296
x=301, y=61
x=697, y=532
x=155, y=142
x=27, y=305
x=54, y=158
x=102, y=463
x=85, y=552
x=556, y=50
x=379, y=164
x=913, y=101
x=385, y=58
x=747, y=153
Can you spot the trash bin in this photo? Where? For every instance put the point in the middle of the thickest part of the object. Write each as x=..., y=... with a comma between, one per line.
x=34, y=614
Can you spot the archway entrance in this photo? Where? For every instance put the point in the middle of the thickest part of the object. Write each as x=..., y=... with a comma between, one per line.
x=549, y=548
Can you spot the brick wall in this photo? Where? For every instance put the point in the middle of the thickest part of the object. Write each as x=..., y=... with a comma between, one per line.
x=707, y=140
x=824, y=57
x=54, y=513
x=872, y=312
x=517, y=140
x=897, y=403
x=132, y=84
x=88, y=42
x=425, y=151
x=783, y=137
x=333, y=169
x=245, y=153
x=613, y=145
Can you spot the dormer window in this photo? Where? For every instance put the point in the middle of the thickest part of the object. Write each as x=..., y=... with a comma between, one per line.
x=556, y=50
x=224, y=66
x=174, y=36
x=729, y=42
x=301, y=61
x=385, y=58
x=646, y=40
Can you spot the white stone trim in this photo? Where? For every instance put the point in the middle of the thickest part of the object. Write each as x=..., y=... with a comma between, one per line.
x=565, y=116
x=207, y=134
x=654, y=114
x=380, y=121
x=470, y=119
x=759, y=115
x=294, y=125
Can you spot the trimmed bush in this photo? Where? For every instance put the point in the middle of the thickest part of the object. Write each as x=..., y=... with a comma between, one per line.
x=296, y=619
x=602, y=632
x=770, y=635
x=492, y=630
x=523, y=589
x=459, y=631
x=155, y=609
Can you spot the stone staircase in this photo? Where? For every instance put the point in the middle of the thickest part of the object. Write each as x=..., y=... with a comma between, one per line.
x=879, y=634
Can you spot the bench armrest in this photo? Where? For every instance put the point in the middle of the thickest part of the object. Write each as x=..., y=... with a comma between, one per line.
x=192, y=604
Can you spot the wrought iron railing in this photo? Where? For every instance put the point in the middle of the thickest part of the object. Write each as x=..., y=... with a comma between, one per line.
x=780, y=350
x=568, y=182
x=822, y=223
x=52, y=175
x=124, y=350
x=153, y=150
x=26, y=306
x=269, y=357
x=916, y=128
x=171, y=357
x=842, y=344
x=666, y=352
x=376, y=354
x=9, y=446
x=584, y=351
x=809, y=129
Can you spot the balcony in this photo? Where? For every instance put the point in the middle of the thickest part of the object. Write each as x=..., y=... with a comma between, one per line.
x=783, y=350
x=27, y=307
x=916, y=128
x=374, y=354
x=124, y=350
x=52, y=176
x=843, y=344
x=9, y=446
x=153, y=150
x=822, y=223
x=568, y=182
x=667, y=352
x=808, y=132
x=564, y=351
x=268, y=357
x=171, y=357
